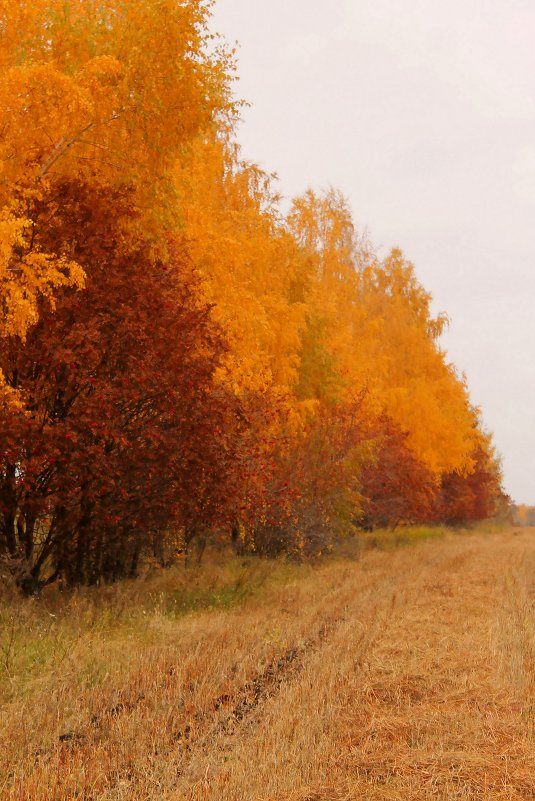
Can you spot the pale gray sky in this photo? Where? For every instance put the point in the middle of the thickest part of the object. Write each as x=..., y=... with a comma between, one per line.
x=423, y=114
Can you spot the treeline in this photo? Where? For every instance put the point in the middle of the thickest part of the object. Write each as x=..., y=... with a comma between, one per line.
x=522, y=514
x=177, y=356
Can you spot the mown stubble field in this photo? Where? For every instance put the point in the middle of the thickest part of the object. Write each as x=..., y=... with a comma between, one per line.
x=408, y=674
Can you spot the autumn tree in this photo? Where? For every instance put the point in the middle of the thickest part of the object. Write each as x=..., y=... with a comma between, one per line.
x=398, y=343
x=396, y=487
x=107, y=93
x=254, y=272
x=116, y=431
x=475, y=494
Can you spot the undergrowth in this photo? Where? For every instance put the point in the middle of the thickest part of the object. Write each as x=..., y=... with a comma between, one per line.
x=84, y=626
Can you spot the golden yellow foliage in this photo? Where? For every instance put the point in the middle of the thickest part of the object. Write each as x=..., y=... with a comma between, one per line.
x=397, y=345
x=370, y=324
x=106, y=93
x=252, y=268
x=27, y=274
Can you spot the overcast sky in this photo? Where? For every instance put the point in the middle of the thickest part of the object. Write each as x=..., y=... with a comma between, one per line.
x=423, y=114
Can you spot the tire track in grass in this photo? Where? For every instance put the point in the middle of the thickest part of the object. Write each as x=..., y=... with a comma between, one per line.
x=372, y=611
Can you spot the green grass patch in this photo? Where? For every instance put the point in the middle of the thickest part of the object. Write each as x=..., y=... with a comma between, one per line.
x=234, y=584
x=386, y=539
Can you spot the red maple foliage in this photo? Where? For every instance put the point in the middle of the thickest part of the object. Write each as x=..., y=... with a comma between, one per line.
x=397, y=487
x=116, y=439
x=475, y=496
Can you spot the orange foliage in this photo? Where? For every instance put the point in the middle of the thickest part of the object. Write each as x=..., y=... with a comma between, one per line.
x=108, y=94
x=328, y=400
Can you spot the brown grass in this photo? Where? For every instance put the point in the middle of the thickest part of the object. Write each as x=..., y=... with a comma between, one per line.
x=408, y=674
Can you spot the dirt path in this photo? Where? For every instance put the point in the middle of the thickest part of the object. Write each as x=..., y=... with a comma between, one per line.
x=426, y=691
x=407, y=675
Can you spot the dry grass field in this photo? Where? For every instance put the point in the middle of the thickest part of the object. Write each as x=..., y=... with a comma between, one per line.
x=407, y=673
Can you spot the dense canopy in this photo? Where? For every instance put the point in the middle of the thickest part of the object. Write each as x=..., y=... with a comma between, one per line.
x=178, y=357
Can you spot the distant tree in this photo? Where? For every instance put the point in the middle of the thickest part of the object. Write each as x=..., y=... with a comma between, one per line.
x=522, y=514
